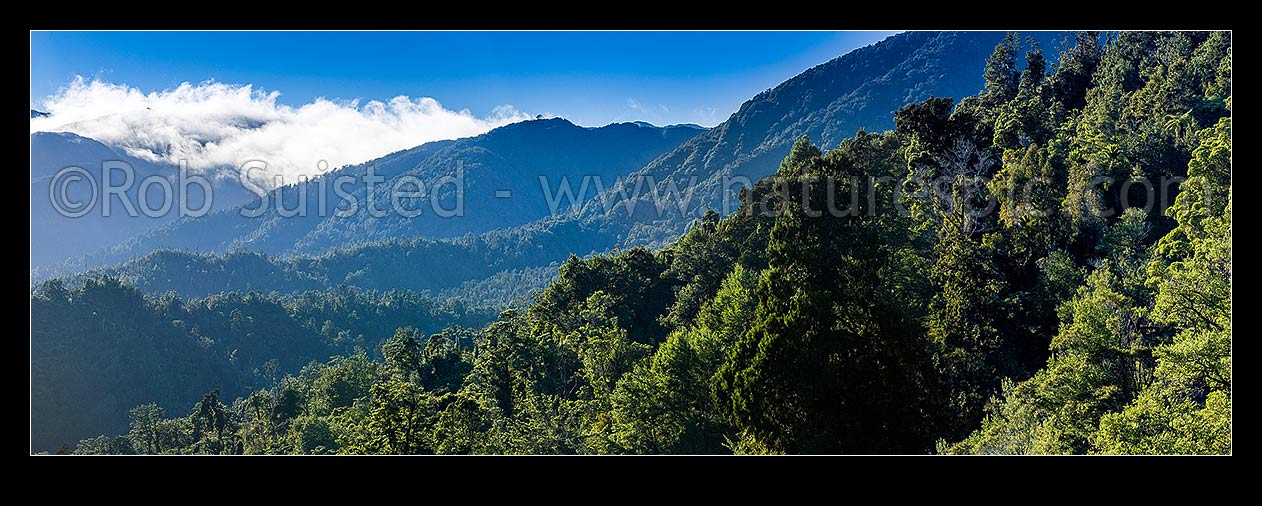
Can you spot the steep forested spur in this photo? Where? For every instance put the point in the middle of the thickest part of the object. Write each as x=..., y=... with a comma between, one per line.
x=1081, y=314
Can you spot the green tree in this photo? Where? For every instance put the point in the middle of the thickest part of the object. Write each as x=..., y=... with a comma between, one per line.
x=1073, y=73
x=1001, y=74
x=815, y=373
x=403, y=353
x=964, y=323
x=443, y=363
x=213, y=425
x=146, y=428
x=665, y=405
x=311, y=435
x=400, y=415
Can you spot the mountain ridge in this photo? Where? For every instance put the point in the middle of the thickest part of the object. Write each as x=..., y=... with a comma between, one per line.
x=827, y=102
x=507, y=158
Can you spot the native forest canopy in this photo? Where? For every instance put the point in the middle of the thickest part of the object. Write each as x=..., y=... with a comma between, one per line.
x=1040, y=267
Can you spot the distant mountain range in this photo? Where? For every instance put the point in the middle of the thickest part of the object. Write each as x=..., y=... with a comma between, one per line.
x=501, y=188
x=58, y=236
x=829, y=102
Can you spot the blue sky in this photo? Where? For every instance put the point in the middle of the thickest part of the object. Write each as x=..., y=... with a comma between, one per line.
x=590, y=78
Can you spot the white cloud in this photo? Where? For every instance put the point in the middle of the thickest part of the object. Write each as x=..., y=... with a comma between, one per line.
x=635, y=105
x=215, y=125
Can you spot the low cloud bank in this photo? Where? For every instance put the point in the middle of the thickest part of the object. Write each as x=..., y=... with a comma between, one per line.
x=214, y=125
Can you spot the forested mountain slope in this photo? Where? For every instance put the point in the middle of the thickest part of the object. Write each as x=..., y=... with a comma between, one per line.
x=58, y=238
x=1064, y=318
x=99, y=349
x=828, y=103
x=410, y=264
